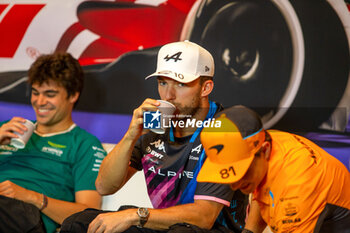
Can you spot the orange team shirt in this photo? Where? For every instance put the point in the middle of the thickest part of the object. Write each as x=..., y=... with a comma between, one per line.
x=301, y=179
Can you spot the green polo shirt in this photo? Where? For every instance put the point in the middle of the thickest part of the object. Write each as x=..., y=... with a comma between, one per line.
x=57, y=165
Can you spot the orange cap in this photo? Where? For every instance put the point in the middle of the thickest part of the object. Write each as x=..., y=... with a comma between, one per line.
x=230, y=148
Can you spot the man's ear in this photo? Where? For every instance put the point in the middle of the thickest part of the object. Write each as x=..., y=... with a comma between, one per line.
x=207, y=87
x=74, y=97
x=266, y=149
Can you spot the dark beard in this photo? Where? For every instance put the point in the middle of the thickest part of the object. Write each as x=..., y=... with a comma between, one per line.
x=187, y=112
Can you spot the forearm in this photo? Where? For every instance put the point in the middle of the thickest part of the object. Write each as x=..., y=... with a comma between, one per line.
x=59, y=210
x=114, y=168
x=202, y=214
x=162, y=219
x=255, y=222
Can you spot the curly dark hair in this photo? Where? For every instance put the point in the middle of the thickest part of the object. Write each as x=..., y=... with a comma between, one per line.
x=60, y=67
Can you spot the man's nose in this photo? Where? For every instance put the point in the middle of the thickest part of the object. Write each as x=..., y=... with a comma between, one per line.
x=41, y=100
x=170, y=93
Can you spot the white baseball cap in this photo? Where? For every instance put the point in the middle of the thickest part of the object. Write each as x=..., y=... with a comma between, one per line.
x=184, y=62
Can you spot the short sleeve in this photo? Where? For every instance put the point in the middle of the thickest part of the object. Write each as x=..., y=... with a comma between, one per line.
x=87, y=163
x=220, y=193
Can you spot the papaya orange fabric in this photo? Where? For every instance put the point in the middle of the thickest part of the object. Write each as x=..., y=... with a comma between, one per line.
x=301, y=179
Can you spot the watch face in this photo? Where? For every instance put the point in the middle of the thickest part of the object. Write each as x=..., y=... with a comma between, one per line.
x=143, y=212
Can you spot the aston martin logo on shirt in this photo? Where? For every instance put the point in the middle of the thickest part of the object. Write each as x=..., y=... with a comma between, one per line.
x=53, y=151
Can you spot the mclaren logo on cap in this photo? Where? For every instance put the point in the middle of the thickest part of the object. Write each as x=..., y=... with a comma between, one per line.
x=207, y=69
x=218, y=147
x=175, y=56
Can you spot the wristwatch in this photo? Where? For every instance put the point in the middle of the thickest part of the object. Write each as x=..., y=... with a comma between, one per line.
x=143, y=214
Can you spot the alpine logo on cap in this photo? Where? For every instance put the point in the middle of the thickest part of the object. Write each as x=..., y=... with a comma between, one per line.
x=206, y=68
x=175, y=57
x=218, y=147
